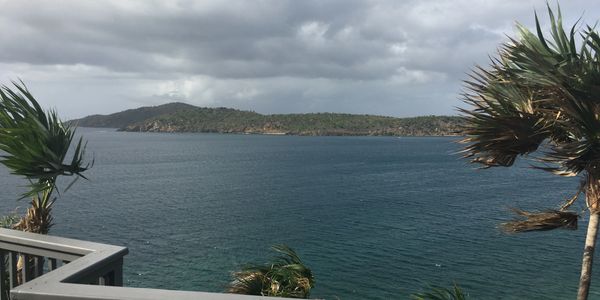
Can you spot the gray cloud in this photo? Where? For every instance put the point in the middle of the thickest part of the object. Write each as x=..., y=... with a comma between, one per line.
x=382, y=57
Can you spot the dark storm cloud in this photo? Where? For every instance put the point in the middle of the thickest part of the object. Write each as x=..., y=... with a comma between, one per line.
x=389, y=57
x=246, y=39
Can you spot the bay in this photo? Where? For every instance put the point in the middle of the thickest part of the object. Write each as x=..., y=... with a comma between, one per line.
x=374, y=217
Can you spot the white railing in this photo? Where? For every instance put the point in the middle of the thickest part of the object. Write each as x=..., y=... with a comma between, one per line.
x=60, y=268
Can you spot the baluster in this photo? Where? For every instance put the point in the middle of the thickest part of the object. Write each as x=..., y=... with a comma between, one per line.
x=117, y=279
x=102, y=280
x=28, y=267
x=52, y=264
x=39, y=266
x=12, y=267
x=4, y=281
x=109, y=278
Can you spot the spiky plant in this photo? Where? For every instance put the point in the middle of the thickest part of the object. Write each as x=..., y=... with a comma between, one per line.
x=285, y=276
x=540, y=99
x=441, y=293
x=34, y=145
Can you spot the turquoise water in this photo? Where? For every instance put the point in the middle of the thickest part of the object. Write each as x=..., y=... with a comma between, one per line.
x=375, y=217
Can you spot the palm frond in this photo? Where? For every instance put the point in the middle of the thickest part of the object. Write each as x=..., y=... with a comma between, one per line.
x=35, y=143
x=503, y=124
x=539, y=90
x=441, y=293
x=541, y=221
x=250, y=281
x=285, y=276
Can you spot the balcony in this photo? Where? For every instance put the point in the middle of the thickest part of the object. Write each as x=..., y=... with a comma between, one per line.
x=60, y=268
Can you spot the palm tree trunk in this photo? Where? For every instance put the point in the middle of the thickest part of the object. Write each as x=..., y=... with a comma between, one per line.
x=38, y=219
x=588, y=256
x=592, y=199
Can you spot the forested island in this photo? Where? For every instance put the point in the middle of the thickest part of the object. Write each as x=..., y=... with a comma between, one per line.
x=181, y=117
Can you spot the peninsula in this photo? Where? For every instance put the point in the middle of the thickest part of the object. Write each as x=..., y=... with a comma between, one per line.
x=181, y=117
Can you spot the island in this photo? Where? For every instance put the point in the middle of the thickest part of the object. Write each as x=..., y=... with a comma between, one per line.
x=182, y=117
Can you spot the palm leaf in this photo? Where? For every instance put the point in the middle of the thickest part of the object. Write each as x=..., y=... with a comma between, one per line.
x=541, y=221
x=441, y=293
x=539, y=94
x=284, y=276
x=35, y=143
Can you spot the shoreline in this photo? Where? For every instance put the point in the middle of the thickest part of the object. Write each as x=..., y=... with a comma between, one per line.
x=273, y=133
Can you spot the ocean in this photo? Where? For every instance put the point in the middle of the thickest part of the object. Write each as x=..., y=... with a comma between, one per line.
x=373, y=217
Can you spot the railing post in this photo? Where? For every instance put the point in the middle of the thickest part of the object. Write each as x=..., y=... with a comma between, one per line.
x=52, y=264
x=39, y=266
x=12, y=269
x=118, y=280
x=115, y=276
x=4, y=278
x=27, y=267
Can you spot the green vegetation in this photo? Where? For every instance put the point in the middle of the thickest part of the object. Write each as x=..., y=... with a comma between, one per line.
x=130, y=116
x=285, y=276
x=9, y=221
x=441, y=293
x=541, y=96
x=35, y=146
x=178, y=117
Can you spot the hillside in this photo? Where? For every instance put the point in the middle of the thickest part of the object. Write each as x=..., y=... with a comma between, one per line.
x=130, y=116
x=179, y=117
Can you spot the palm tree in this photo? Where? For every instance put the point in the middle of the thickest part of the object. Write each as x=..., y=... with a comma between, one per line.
x=440, y=293
x=35, y=145
x=285, y=276
x=539, y=99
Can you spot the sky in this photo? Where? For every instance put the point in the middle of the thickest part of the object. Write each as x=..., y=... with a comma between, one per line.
x=396, y=57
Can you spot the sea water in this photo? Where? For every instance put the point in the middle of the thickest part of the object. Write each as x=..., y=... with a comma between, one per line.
x=373, y=217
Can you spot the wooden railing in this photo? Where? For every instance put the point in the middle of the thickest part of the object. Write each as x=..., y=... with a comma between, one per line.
x=59, y=268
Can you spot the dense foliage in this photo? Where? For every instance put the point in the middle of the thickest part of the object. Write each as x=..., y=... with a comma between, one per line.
x=285, y=276
x=178, y=117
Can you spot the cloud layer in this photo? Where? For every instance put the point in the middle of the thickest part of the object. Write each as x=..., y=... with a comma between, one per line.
x=399, y=58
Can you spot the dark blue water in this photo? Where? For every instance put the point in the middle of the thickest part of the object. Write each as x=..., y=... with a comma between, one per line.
x=374, y=217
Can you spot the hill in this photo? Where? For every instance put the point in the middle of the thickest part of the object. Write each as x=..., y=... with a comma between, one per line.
x=130, y=116
x=180, y=117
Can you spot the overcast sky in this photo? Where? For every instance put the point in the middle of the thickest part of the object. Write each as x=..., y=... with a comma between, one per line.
x=396, y=57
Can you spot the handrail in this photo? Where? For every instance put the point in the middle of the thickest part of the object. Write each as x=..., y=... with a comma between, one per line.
x=88, y=262
x=44, y=245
